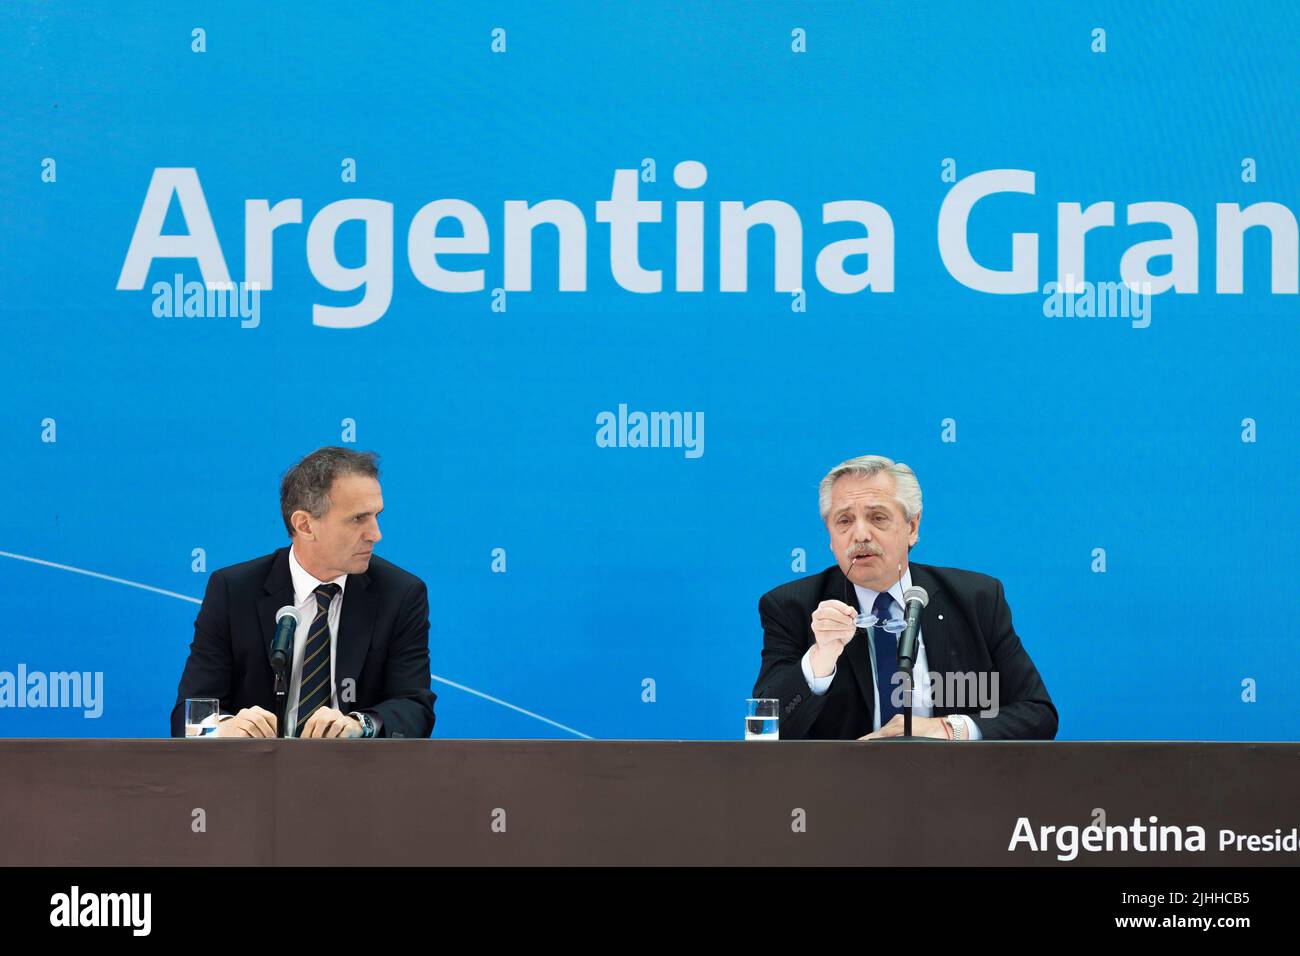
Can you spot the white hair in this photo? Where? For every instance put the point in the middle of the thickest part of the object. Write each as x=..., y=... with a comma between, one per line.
x=907, y=490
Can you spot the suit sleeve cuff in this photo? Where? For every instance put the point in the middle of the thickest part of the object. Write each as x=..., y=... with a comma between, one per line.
x=818, y=685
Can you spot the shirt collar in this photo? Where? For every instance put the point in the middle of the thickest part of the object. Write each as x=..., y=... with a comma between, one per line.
x=304, y=584
x=867, y=597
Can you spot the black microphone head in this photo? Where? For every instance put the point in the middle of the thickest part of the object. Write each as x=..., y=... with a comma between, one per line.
x=915, y=593
x=287, y=620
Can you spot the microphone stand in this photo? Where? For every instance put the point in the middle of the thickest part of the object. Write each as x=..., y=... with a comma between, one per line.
x=286, y=622
x=907, y=653
x=907, y=703
x=905, y=667
x=281, y=699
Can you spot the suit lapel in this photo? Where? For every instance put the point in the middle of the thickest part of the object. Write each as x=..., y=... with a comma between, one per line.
x=858, y=653
x=934, y=620
x=279, y=592
x=356, y=624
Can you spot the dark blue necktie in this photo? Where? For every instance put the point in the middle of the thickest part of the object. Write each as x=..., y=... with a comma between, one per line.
x=886, y=646
x=314, y=688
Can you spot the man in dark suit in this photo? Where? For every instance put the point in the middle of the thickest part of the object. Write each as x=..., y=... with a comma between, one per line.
x=835, y=679
x=361, y=657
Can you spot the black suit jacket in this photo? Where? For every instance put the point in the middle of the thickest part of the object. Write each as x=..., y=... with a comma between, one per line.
x=382, y=645
x=974, y=635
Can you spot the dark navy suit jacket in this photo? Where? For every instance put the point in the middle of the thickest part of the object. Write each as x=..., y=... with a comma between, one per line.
x=382, y=644
x=974, y=635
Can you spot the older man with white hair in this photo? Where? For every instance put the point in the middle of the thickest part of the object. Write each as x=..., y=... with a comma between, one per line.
x=830, y=639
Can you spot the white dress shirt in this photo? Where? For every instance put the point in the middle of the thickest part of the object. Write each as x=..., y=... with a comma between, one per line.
x=922, y=692
x=304, y=599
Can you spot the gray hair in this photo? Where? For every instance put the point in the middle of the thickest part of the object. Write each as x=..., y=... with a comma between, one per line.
x=306, y=485
x=907, y=490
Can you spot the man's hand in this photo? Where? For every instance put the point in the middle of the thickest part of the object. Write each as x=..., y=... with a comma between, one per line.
x=328, y=722
x=833, y=623
x=921, y=727
x=249, y=722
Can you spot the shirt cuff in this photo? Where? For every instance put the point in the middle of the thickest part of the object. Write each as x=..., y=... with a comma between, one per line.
x=818, y=685
x=972, y=728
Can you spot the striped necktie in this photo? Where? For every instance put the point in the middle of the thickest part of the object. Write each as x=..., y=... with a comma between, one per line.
x=314, y=688
x=886, y=646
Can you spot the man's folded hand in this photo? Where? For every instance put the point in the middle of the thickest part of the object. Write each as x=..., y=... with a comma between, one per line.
x=249, y=722
x=328, y=722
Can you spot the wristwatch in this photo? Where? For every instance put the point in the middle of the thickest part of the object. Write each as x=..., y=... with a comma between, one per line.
x=958, y=727
x=367, y=725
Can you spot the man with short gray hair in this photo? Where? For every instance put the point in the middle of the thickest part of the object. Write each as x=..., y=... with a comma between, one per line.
x=360, y=664
x=830, y=639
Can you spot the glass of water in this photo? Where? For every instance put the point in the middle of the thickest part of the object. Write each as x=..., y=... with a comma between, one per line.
x=761, y=715
x=202, y=714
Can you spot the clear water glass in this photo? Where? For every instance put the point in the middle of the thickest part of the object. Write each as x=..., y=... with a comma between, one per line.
x=202, y=714
x=761, y=718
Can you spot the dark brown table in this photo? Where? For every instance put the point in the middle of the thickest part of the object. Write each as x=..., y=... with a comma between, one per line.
x=490, y=802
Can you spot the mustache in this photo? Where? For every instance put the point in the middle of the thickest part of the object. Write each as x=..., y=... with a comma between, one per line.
x=865, y=552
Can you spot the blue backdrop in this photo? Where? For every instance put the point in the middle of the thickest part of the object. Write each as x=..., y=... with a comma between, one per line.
x=131, y=440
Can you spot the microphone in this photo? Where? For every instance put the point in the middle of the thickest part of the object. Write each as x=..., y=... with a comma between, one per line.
x=914, y=599
x=287, y=620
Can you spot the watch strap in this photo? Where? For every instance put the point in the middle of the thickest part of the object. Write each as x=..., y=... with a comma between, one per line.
x=367, y=725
